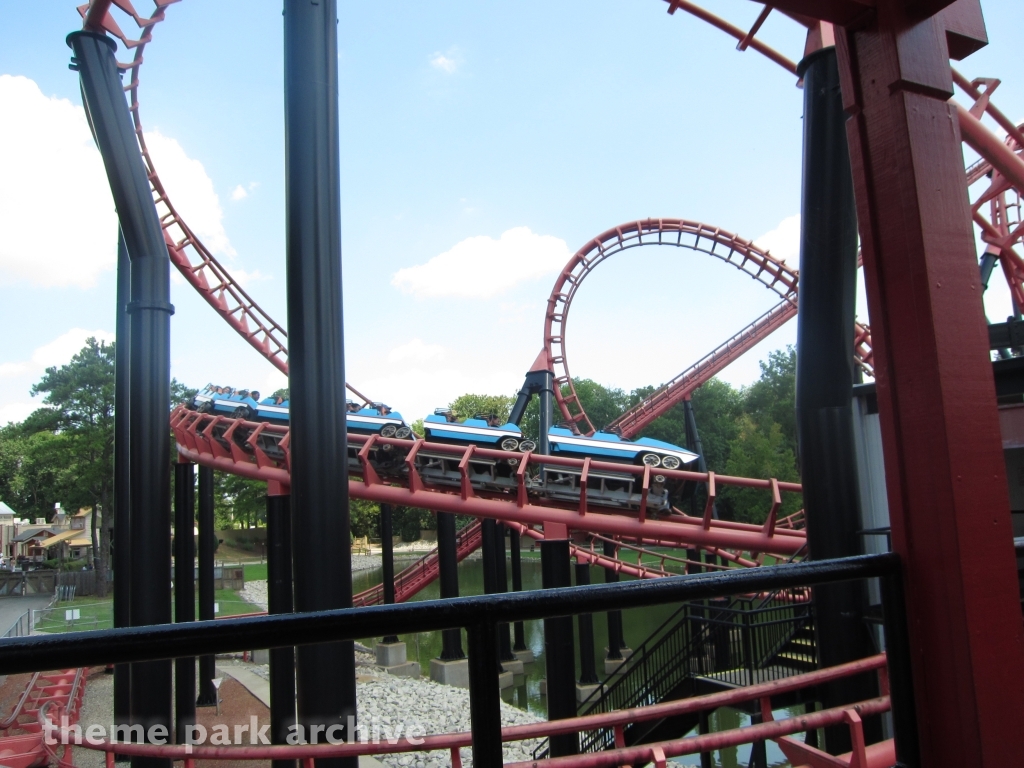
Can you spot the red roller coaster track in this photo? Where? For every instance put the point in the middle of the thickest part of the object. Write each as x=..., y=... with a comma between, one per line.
x=211, y=441
x=188, y=254
x=742, y=254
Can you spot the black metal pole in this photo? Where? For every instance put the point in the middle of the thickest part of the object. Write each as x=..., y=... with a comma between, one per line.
x=501, y=584
x=279, y=600
x=559, y=656
x=484, y=694
x=898, y=661
x=122, y=481
x=487, y=527
x=150, y=368
x=387, y=548
x=184, y=593
x=207, y=546
x=824, y=381
x=543, y=444
x=448, y=565
x=515, y=545
x=615, y=640
x=325, y=674
x=585, y=623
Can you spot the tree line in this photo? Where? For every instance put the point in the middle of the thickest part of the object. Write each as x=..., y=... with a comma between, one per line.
x=64, y=451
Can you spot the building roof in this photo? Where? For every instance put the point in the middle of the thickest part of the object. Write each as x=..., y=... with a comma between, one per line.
x=83, y=512
x=6, y=510
x=28, y=535
x=63, y=536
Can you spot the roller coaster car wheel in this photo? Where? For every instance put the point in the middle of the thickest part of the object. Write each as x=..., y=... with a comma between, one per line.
x=242, y=412
x=206, y=407
x=652, y=460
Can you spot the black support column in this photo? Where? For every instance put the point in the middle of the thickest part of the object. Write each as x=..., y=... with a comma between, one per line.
x=325, y=673
x=448, y=565
x=207, y=546
x=825, y=375
x=505, y=653
x=150, y=366
x=518, y=630
x=585, y=623
x=122, y=481
x=184, y=593
x=616, y=642
x=279, y=600
x=387, y=548
x=559, y=657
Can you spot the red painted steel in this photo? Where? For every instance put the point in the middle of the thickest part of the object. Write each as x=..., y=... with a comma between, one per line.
x=194, y=434
x=774, y=729
x=189, y=255
x=702, y=238
x=63, y=692
x=947, y=488
x=1001, y=229
x=421, y=573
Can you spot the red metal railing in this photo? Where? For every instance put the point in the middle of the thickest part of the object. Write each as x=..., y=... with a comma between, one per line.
x=63, y=692
x=779, y=731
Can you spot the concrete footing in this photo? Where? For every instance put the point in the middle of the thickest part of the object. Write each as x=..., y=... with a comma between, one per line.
x=617, y=666
x=515, y=667
x=525, y=656
x=454, y=673
x=583, y=691
x=391, y=657
x=505, y=680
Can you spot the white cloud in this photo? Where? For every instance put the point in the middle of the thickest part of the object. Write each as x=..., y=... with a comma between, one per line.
x=56, y=213
x=239, y=193
x=8, y=370
x=15, y=412
x=447, y=64
x=416, y=351
x=482, y=267
x=191, y=191
x=67, y=345
x=245, y=279
x=783, y=242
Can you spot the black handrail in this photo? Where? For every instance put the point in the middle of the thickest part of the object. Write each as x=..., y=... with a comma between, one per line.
x=168, y=641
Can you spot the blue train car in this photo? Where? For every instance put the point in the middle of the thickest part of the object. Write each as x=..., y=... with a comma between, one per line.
x=608, y=446
x=482, y=430
x=375, y=418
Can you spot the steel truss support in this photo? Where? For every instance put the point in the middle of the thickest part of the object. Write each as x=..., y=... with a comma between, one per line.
x=824, y=382
x=947, y=488
x=325, y=674
x=122, y=480
x=279, y=600
x=515, y=545
x=207, y=547
x=184, y=593
x=149, y=361
x=448, y=578
x=387, y=556
x=585, y=625
x=559, y=656
x=616, y=642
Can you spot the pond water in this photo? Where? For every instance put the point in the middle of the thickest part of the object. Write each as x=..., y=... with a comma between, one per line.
x=638, y=624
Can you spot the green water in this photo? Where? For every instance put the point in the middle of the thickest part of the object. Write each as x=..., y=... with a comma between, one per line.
x=638, y=624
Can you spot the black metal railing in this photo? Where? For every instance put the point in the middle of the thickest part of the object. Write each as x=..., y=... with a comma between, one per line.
x=738, y=641
x=480, y=616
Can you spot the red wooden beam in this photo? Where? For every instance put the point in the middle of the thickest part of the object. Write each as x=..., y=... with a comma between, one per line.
x=947, y=487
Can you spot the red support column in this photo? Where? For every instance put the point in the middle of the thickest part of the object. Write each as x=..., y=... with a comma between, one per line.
x=947, y=488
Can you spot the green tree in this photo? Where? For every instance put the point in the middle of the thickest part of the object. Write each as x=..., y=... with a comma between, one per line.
x=467, y=406
x=81, y=399
x=757, y=452
x=772, y=398
x=239, y=501
x=602, y=404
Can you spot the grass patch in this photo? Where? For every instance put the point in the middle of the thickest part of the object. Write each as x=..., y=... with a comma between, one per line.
x=255, y=571
x=97, y=613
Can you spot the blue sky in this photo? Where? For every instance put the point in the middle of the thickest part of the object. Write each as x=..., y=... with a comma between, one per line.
x=461, y=122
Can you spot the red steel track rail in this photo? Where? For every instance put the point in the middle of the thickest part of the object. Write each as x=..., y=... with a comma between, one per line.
x=742, y=254
x=1000, y=162
x=208, y=276
x=62, y=690
x=210, y=441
